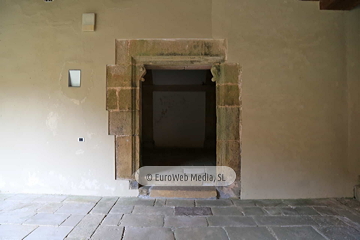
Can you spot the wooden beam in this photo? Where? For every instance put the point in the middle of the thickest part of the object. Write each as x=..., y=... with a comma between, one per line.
x=180, y=88
x=338, y=4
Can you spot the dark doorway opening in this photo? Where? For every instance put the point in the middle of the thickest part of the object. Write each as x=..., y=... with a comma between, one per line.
x=178, y=112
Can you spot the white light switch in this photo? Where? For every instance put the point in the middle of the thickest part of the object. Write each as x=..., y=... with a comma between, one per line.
x=88, y=22
x=74, y=78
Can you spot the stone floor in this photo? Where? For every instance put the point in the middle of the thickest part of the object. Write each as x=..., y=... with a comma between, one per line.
x=75, y=217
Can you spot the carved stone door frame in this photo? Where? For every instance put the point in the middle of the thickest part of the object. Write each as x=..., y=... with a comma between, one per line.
x=123, y=102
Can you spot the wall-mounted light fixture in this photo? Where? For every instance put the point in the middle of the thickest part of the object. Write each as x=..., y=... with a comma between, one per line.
x=88, y=22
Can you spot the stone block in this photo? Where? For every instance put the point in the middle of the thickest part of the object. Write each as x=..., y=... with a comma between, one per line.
x=297, y=233
x=299, y=211
x=120, y=123
x=227, y=95
x=228, y=154
x=231, y=221
x=133, y=233
x=111, y=99
x=192, y=211
x=112, y=219
x=119, y=209
x=153, y=210
x=49, y=207
x=273, y=211
x=347, y=233
x=46, y=233
x=51, y=199
x=243, y=203
x=122, y=54
x=180, y=202
x=213, y=203
x=119, y=76
x=249, y=233
x=47, y=219
x=326, y=211
x=185, y=47
x=183, y=192
x=75, y=208
x=184, y=221
x=108, y=233
x=208, y=233
x=228, y=119
x=324, y=221
x=123, y=148
x=102, y=208
x=15, y=231
x=137, y=220
x=73, y=220
x=215, y=47
x=82, y=199
x=284, y=220
x=226, y=211
x=133, y=201
x=125, y=98
x=15, y=217
x=160, y=202
x=86, y=227
x=253, y=211
x=230, y=73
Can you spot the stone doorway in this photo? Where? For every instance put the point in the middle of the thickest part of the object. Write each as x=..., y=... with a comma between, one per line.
x=178, y=116
x=124, y=101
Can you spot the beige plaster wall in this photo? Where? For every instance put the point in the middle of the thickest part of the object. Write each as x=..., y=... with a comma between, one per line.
x=40, y=117
x=353, y=76
x=294, y=139
x=296, y=62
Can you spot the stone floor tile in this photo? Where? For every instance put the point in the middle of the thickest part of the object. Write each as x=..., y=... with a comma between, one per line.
x=304, y=202
x=226, y=211
x=15, y=217
x=253, y=211
x=328, y=221
x=119, y=209
x=132, y=233
x=297, y=233
x=326, y=211
x=154, y=210
x=349, y=202
x=270, y=203
x=193, y=211
x=47, y=219
x=23, y=197
x=340, y=233
x=109, y=199
x=137, y=220
x=160, y=202
x=180, y=203
x=15, y=232
x=108, y=233
x=102, y=207
x=243, y=203
x=249, y=233
x=184, y=221
x=72, y=221
x=273, y=211
x=230, y=221
x=4, y=196
x=284, y=220
x=47, y=233
x=133, y=201
x=82, y=199
x=208, y=233
x=49, y=207
x=86, y=227
x=75, y=208
x=299, y=211
x=112, y=219
x=16, y=206
x=213, y=203
x=51, y=198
